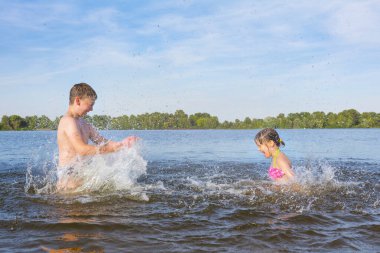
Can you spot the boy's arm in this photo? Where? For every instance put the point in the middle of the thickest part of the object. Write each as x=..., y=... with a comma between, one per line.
x=98, y=139
x=95, y=136
x=81, y=148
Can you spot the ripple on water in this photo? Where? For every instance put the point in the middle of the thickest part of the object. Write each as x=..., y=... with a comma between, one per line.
x=199, y=207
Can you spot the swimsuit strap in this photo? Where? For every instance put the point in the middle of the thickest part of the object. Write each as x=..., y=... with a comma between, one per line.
x=275, y=157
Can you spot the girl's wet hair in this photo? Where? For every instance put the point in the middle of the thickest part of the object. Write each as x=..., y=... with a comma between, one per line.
x=269, y=134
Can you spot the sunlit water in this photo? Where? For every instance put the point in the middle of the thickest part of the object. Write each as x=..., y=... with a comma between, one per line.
x=194, y=191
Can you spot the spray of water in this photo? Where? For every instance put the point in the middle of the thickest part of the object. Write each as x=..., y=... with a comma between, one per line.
x=316, y=187
x=103, y=174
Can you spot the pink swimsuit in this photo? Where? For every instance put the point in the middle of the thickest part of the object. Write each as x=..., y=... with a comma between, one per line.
x=273, y=172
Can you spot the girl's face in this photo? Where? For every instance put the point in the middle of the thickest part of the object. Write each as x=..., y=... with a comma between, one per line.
x=265, y=148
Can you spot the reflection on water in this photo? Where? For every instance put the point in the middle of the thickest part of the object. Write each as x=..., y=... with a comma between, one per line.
x=68, y=238
x=71, y=239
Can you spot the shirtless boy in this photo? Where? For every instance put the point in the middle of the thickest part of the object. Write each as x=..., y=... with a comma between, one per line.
x=74, y=133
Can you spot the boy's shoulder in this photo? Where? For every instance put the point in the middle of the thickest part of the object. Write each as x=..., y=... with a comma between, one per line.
x=66, y=118
x=66, y=121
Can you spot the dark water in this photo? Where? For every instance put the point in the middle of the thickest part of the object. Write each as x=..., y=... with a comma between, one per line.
x=199, y=191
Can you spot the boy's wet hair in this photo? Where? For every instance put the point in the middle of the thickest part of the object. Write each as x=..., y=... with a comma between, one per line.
x=82, y=90
x=269, y=134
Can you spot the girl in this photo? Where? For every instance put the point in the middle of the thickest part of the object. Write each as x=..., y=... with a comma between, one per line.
x=268, y=142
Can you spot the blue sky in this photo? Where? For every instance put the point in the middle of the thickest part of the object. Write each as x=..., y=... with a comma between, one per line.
x=231, y=59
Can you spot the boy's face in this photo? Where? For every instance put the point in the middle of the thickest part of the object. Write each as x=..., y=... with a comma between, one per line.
x=85, y=105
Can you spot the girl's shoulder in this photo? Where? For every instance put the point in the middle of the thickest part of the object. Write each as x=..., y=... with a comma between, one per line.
x=283, y=161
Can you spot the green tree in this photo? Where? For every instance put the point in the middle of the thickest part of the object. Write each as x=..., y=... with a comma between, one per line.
x=293, y=120
x=55, y=123
x=203, y=120
x=238, y=124
x=5, y=125
x=305, y=118
x=331, y=120
x=16, y=122
x=297, y=123
x=194, y=117
x=133, y=120
x=101, y=121
x=43, y=122
x=31, y=122
x=182, y=119
x=207, y=122
x=257, y=123
x=270, y=122
x=282, y=121
x=368, y=120
x=348, y=118
x=226, y=125
x=116, y=123
x=247, y=123
x=318, y=120
x=123, y=122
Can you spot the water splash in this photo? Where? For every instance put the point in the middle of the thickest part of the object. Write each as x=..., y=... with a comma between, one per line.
x=41, y=174
x=318, y=186
x=101, y=174
x=315, y=173
x=111, y=172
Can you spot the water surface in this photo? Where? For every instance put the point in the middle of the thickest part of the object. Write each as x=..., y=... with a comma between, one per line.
x=198, y=191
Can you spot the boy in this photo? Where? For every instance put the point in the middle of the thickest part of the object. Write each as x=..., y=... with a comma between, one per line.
x=74, y=132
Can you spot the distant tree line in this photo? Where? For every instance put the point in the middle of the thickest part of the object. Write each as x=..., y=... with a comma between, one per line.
x=180, y=120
